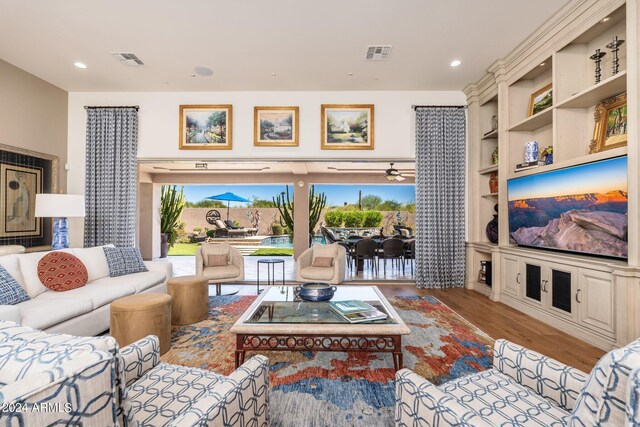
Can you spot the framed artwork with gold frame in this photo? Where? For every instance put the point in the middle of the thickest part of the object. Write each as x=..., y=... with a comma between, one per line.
x=610, y=129
x=347, y=127
x=540, y=100
x=206, y=127
x=275, y=126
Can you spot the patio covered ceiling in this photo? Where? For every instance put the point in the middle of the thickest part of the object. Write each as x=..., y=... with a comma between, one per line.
x=273, y=167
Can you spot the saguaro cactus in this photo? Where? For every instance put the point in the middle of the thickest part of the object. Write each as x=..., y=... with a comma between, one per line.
x=172, y=204
x=317, y=202
x=283, y=202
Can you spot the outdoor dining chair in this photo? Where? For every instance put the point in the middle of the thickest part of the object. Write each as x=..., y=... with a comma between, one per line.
x=392, y=249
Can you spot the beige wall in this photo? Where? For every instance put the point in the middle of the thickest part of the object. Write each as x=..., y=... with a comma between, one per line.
x=33, y=115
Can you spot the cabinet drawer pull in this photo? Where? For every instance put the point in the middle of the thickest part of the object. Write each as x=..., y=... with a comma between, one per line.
x=577, y=294
x=518, y=278
x=544, y=286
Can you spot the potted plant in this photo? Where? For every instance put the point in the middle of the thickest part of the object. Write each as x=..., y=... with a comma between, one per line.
x=172, y=204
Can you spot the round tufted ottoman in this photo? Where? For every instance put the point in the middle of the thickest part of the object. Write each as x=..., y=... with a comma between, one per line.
x=136, y=316
x=190, y=296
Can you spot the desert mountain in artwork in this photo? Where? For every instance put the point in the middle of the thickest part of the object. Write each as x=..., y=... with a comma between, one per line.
x=590, y=223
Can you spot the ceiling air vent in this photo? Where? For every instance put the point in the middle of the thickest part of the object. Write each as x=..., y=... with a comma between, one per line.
x=378, y=53
x=202, y=165
x=127, y=59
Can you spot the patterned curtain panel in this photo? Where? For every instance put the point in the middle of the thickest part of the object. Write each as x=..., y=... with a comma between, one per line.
x=111, y=180
x=440, y=192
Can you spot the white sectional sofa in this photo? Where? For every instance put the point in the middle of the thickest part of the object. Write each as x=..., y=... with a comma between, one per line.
x=83, y=311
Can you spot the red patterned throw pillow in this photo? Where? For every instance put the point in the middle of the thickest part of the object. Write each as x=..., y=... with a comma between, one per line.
x=61, y=271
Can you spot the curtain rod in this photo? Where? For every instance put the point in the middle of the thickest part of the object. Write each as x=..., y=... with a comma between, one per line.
x=415, y=107
x=90, y=107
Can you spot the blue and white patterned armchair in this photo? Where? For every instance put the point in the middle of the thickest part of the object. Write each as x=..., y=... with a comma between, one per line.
x=160, y=394
x=525, y=388
x=56, y=379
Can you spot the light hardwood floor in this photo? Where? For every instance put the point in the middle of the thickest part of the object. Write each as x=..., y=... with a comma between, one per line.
x=499, y=321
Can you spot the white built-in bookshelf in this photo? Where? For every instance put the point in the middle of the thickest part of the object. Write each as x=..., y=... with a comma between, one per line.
x=558, y=55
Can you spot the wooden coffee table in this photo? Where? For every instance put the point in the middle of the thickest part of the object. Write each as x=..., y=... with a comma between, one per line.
x=277, y=321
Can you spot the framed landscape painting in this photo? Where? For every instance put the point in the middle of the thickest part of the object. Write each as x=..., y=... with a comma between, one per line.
x=275, y=126
x=205, y=127
x=611, y=124
x=541, y=100
x=347, y=127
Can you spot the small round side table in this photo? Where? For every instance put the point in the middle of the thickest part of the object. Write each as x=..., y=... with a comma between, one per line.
x=190, y=299
x=271, y=271
x=135, y=316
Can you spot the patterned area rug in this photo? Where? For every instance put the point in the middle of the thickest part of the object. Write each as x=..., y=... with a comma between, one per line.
x=340, y=389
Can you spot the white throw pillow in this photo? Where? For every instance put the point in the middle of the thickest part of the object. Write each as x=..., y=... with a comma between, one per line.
x=325, y=251
x=214, y=249
x=95, y=261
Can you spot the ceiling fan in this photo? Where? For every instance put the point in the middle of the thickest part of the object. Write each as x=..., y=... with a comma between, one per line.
x=393, y=174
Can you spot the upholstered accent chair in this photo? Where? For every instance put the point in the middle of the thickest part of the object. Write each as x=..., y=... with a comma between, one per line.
x=56, y=379
x=310, y=268
x=67, y=380
x=219, y=263
x=526, y=388
x=160, y=394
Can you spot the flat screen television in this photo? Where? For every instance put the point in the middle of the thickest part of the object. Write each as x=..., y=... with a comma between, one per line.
x=579, y=209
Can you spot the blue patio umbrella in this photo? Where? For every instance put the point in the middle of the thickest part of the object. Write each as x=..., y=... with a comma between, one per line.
x=228, y=197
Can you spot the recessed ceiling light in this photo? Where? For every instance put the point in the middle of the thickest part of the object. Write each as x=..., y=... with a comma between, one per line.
x=192, y=75
x=455, y=63
x=273, y=74
x=350, y=74
x=79, y=65
x=606, y=19
x=543, y=64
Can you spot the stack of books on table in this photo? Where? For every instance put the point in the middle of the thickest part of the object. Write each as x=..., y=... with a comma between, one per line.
x=357, y=311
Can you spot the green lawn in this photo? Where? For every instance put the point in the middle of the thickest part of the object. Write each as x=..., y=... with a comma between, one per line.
x=189, y=249
x=183, y=249
x=273, y=252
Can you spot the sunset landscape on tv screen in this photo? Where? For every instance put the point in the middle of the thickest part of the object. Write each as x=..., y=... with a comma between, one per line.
x=579, y=209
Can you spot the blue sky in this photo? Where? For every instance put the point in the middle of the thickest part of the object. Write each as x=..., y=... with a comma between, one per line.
x=597, y=177
x=336, y=194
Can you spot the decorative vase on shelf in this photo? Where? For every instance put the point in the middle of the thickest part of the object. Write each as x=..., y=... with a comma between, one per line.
x=493, y=182
x=494, y=123
x=531, y=152
x=548, y=159
x=492, y=227
x=494, y=156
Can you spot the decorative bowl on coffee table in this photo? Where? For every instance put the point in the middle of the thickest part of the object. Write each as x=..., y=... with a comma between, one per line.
x=315, y=291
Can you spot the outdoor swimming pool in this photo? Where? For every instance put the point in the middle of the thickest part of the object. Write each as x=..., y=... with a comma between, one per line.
x=287, y=241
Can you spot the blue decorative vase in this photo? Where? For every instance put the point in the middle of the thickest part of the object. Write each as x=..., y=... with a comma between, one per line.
x=548, y=159
x=60, y=234
x=531, y=152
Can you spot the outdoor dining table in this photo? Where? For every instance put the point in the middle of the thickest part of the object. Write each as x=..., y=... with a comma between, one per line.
x=360, y=262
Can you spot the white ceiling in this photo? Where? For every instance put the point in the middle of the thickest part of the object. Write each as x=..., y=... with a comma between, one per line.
x=309, y=45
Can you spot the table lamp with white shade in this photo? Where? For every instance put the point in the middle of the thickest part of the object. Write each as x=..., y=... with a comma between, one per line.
x=59, y=207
